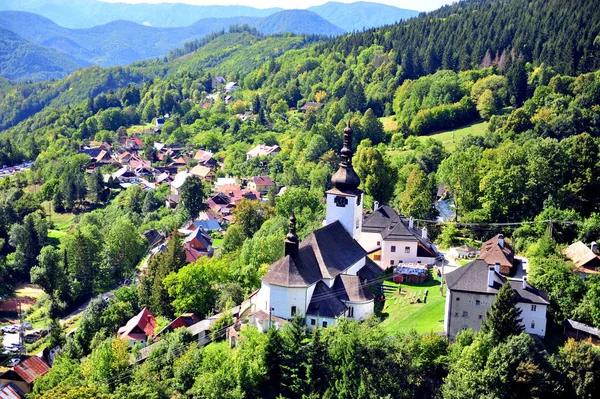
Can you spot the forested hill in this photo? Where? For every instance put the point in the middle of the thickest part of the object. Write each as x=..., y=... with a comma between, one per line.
x=23, y=60
x=124, y=42
x=561, y=33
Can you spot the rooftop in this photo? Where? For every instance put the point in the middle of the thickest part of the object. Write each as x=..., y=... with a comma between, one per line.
x=31, y=368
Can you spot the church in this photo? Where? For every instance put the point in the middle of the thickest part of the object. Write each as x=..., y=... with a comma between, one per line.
x=328, y=275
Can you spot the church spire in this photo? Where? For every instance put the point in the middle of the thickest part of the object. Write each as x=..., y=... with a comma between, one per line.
x=291, y=241
x=346, y=179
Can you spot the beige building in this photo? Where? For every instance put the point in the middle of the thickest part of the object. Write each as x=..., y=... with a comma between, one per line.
x=471, y=290
x=262, y=184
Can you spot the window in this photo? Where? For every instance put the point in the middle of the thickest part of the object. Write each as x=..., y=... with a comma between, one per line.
x=378, y=243
x=455, y=314
x=532, y=324
x=313, y=322
x=350, y=311
x=465, y=314
x=324, y=323
x=480, y=317
x=406, y=250
x=533, y=308
x=393, y=248
x=392, y=262
x=477, y=303
x=377, y=257
x=293, y=310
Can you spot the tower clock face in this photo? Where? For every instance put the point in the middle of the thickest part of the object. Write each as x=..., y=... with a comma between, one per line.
x=340, y=201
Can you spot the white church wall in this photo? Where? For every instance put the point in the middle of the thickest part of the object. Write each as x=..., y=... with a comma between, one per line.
x=370, y=241
x=350, y=215
x=360, y=310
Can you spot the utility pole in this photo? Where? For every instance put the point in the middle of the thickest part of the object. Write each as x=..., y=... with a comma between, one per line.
x=550, y=227
x=22, y=348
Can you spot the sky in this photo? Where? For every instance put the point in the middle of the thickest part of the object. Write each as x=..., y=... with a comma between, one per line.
x=419, y=5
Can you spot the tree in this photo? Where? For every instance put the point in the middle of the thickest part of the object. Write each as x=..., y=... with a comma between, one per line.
x=192, y=195
x=579, y=362
x=95, y=186
x=166, y=263
x=250, y=215
x=372, y=127
x=376, y=175
x=28, y=239
x=487, y=105
x=50, y=274
x=417, y=198
x=460, y=174
x=517, y=82
x=502, y=320
x=82, y=248
x=123, y=249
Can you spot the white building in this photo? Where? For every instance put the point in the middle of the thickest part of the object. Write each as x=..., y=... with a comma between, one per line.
x=393, y=239
x=328, y=275
x=471, y=290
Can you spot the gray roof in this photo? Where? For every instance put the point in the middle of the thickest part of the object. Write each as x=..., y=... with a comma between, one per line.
x=582, y=327
x=370, y=270
x=352, y=288
x=199, y=234
x=324, y=303
x=326, y=253
x=473, y=277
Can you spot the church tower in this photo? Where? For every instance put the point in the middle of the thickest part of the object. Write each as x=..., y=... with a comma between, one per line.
x=344, y=200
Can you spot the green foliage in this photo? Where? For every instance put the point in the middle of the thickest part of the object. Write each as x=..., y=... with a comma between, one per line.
x=192, y=195
x=502, y=320
x=417, y=198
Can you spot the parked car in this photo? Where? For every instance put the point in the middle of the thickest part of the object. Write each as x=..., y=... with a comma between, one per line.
x=13, y=362
x=28, y=325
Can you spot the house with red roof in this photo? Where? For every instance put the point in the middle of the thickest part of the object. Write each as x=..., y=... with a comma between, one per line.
x=25, y=373
x=262, y=184
x=139, y=328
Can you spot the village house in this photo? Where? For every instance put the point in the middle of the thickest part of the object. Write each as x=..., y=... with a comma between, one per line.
x=178, y=181
x=471, y=290
x=585, y=258
x=197, y=244
x=158, y=124
x=263, y=150
x=328, y=275
x=392, y=239
x=184, y=320
x=311, y=104
x=262, y=184
x=231, y=87
x=138, y=329
x=498, y=250
x=225, y=181
x=203, y=172
x=23, y=375
x=205, y=158
x=411, y=273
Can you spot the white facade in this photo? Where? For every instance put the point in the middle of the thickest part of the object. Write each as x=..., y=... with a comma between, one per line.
x=347, y=210
x=360, y=310
x=317, y=321
x=466, y=310
x=534, y=318
x=280, y=301
x=370, y=241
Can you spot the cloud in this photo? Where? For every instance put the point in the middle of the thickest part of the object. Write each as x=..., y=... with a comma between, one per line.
x=146, y=23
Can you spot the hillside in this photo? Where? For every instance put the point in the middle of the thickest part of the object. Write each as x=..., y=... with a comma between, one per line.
x=299, y=22
x=124, y=42
x=90, y=13
x=22, y=60
x=360, y=15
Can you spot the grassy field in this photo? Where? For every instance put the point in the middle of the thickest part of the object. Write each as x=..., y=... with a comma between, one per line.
x=138, y=129
x=399, y=315
x=449, y=138
x=389, y=123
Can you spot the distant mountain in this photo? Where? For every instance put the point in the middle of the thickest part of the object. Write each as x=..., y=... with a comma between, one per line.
x=297, y=21
x=357, y=16
x=89, y=13
x=124, y=42
x=23, y=60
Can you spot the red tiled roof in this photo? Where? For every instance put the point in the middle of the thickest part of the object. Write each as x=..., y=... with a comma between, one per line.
x=144, y=320
x=32, y=368
x=11, y=391
x=192, y=255
x=262, y=180
x=493, y=253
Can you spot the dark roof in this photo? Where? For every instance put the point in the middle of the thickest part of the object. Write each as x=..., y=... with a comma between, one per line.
x=326, y=253
x=473, y=277
x=31, y=368
x=324, y=303
x=493, y=253
x=380, y=219
x=153, y=236
x=352, y=288
x=582, y=327
x=204, y=239
x=262, y=180
x=370, y=270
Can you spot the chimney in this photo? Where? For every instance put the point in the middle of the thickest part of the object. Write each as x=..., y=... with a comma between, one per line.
x=375, y=206
x=291, y=240
x=410, y=222
x=524, y=282
x=501, y=240
x=491, y=276
x=594, y=247
x=497, y=267
x=424, y=233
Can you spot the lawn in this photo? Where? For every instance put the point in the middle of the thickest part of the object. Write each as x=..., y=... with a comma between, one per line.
x=139, y=129
x=401, y=316
x=449, y=138
x=389, y=123
x=62, y=221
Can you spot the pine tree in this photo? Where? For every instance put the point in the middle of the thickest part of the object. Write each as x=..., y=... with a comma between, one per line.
x=503, y=319
x=517, y=82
